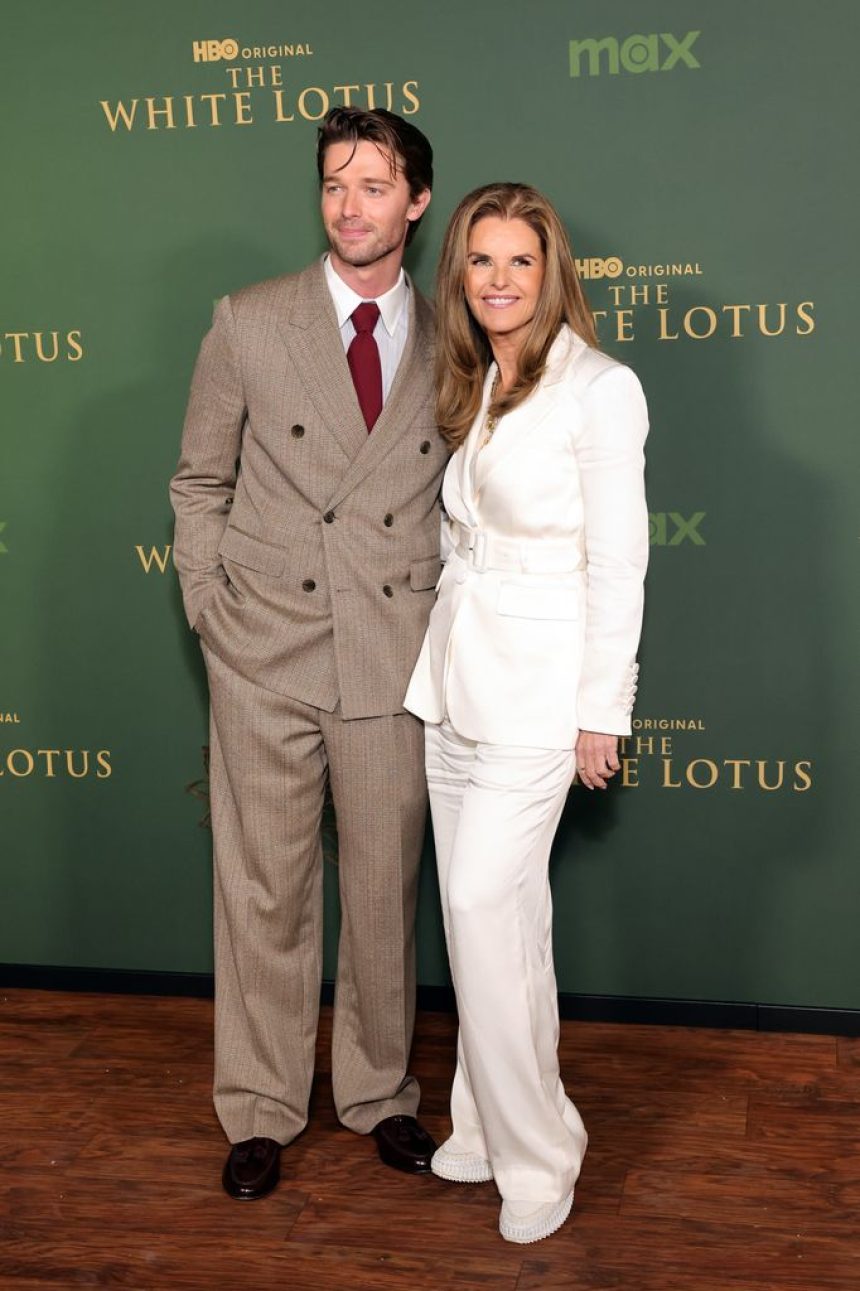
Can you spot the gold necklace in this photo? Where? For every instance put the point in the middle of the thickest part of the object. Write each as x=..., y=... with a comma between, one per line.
x=491, y=420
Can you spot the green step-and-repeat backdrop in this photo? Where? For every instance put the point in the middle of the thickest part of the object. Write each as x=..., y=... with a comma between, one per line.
x=703, y=156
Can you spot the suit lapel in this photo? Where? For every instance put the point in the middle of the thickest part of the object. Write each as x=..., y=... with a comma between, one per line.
x=472, y=448
x=514, y=432
x=313, y=339
x=516, y=429
x=412, y=388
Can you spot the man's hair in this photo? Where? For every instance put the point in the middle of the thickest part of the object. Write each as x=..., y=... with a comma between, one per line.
x=404, y=143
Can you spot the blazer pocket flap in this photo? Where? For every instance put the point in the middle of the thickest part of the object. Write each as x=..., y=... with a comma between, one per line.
x=252, y=553
x=521, y=601
x=424, y=574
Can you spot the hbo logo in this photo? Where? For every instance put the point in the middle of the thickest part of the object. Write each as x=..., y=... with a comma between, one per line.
x=611, y=267
x=210, y=51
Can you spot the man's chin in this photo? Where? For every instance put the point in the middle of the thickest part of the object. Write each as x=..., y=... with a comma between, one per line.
x=356, y=257
x=359, y=256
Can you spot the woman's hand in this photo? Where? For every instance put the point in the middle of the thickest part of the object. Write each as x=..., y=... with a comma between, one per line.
x=596, y=758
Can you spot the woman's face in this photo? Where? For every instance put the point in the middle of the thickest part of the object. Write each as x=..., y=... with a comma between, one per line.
x=504, y=275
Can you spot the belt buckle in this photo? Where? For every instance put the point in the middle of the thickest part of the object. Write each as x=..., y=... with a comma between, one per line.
x=478, y=551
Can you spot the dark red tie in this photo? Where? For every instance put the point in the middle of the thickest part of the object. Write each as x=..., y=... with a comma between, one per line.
x=363, y=359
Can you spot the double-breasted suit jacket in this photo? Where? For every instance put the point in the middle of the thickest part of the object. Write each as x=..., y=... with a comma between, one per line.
x=536, y=626
x=311, y=570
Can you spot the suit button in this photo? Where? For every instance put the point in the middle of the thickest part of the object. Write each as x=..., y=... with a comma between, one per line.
x=388, y=521
x=297, y=431
x=388, y=589
x=328, y=517
x=425, y=447
x=309, y=585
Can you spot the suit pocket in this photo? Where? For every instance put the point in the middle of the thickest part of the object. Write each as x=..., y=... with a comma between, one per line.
x=523, y=601
x=424, y=574
x=252, y=553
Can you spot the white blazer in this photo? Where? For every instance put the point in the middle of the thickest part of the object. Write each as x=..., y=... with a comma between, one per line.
x=536, y=625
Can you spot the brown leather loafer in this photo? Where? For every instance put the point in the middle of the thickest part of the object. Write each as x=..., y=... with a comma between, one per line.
x=252, y=1169
x=404, y=1144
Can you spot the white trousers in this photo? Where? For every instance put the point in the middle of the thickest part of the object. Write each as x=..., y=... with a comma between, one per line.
x=495, y=811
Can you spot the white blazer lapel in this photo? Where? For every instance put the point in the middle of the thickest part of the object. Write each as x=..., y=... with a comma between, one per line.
x=469, y=453
x=514, y=431
x=517, y=427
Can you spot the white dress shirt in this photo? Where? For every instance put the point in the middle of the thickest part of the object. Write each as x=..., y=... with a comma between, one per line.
x=392, y=326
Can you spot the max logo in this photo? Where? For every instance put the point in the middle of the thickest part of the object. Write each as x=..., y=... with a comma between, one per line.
x=656, y=53
x=669, y=529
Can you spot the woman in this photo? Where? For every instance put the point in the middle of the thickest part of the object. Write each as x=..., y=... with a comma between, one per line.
x=527, y=672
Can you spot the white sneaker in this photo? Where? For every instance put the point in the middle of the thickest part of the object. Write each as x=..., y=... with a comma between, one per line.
x=520, y=1223
x=460, y=1167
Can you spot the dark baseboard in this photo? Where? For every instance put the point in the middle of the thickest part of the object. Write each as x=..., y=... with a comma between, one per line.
x=106, y=981
x=440, y=999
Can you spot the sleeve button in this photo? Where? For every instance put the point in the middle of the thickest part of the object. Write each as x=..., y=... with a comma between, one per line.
x=388, y=590
x=309, y=585
x=297, y=431
x=389, y=520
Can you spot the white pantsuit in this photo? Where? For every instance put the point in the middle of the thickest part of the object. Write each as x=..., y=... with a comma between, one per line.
x=533, y=638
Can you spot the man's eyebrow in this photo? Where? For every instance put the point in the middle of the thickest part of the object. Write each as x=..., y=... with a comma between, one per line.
x=364, y=179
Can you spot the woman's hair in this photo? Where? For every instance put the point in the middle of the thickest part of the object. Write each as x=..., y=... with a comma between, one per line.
x=463, y=352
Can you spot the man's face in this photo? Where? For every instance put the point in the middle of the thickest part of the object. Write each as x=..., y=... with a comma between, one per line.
x=366, y=204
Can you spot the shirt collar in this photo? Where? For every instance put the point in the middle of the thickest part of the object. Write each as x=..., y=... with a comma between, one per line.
x=391, y=304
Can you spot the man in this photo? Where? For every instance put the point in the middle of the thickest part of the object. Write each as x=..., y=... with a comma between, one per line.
x=308, y=552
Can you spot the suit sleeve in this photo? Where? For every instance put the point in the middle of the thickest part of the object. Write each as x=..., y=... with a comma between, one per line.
x=202, y=489
x=610, y=457
x=446, y=535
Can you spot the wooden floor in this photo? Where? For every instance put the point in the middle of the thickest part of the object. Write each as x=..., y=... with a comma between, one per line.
x=718, y=1159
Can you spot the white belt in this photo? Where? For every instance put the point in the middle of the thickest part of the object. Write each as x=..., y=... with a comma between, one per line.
x=482, y=551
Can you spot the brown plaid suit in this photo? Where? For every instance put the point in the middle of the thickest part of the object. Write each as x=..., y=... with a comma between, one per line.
x=308, y=553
